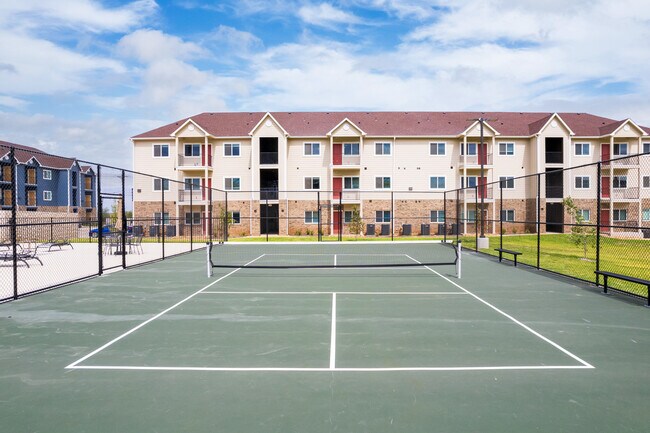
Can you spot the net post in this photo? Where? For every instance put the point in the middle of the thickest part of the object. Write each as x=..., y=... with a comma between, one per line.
x=208, y=261
x=459, y=260
x=457, y=215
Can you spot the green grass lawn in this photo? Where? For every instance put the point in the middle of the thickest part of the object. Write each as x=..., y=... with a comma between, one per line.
x=559, y=254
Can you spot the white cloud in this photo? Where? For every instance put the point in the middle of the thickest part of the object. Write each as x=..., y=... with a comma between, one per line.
x=11, y=102
x=86, y=15
x=326, y=15
x=151, y=46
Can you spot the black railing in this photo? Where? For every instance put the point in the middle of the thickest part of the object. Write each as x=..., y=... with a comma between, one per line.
x=554, y=157
x=268, y=157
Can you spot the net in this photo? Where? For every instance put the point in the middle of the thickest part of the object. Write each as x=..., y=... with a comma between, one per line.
x=333, y=255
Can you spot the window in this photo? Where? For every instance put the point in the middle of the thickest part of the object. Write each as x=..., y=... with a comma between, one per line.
x=235, y=217
x=192, y=218
x=232, y=183
x=646, y=147
x=508, y=215
x=192, y=183
x=350, y=148
x=382, y=216
x=311, y=217
x=193, y=149
x=231, y=149
x=645, y=214
x=347, y=216
x=585, y=213
x=507, y=149
x=471, y=149
x=31, y=177
x=382, y=148
x=351, y=182
x=619, y=182
x=47, y=174
x=6, y=173
x=620, y=149
x=437, y=148
x=382, y=182
x=312, y=183
x=161, y=218
x=437, y=182
x=646, y=181
x=507, y=182
x=47, y=195
x=159, y=184
x=581, y=149
x=74, y=179
x=582, y=182
x=620, y=214
x=312, y=149
x=437, y=216
x=470, y=182
x=471, y=215
x=160, y=150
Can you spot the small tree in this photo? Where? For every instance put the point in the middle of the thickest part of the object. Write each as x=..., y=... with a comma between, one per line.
x=581, y=234
x=356, y=223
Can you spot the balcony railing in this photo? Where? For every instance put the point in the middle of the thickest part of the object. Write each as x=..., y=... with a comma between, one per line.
x=470, y=193
x=268, y=157
x=268, y=194
x=554, y=157
x=193, y=161
x=555, y=191
x=349, y=160
x=477, y=159
x=625, y=193
x=346, y=194
x=194, y=195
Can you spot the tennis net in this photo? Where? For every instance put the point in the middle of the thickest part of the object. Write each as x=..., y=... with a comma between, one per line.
x=332, y=255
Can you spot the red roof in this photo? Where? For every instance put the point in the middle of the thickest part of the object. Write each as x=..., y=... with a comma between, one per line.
x=24, y=154
x=395, y=123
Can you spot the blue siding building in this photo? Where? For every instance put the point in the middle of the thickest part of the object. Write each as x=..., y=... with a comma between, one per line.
x=46, y=182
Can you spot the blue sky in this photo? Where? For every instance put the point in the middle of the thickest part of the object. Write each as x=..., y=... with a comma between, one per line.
x=79, y=77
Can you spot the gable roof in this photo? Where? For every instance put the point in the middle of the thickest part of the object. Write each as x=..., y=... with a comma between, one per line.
x=388, y=123
x=24, y=154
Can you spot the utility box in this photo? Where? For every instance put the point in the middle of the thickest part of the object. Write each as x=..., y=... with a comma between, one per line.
x=406, y=229
x=370, y=229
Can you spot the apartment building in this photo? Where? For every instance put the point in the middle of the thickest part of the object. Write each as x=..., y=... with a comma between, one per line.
x=45, y=183
x=288, y=168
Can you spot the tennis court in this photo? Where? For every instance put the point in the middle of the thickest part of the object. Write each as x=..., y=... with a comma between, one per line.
x=391, y=339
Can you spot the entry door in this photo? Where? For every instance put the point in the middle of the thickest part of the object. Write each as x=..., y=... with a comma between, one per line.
x=269, y=219
x=337, y=184
x=554, y=217
x=605, y=192
x=337, y=221
x=604, y=152
x=482, y=153
x=604, y=220
x=337, y=156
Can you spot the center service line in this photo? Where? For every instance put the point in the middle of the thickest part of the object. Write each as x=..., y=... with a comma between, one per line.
x=333, y=340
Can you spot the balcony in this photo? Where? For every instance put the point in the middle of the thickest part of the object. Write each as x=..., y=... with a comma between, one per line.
x=346, y=195
x=476, y=160
x=193, y=162
x=470, y=194
x=268, y=158
x=555, y=191
x=268, y=194
x=630, y=162
x=554, y=157
x=625, y=193
x=347, y=161
x=187, y=196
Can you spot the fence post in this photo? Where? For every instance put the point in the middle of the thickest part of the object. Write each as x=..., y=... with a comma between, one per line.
x=340, y=221
x=14, y=212
x=392, y=216
x=598, y=221
x=191, y=221
x=52, y=229
x=319, y=235
x=477, y=215
x=444, y=221
x=539, y=214
x=100, y=219
x=501, y=215
x=125, y=229
x=457, y=214
x=226, y=220
x=210, y=215
x=162, y=216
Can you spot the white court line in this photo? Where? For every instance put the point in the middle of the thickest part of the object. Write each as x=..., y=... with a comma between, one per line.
x=94, y=352
x=333, y=338
x=337, y=369
x=334, y=260
x=224, y=292
x=527, y=328
x=330, y=254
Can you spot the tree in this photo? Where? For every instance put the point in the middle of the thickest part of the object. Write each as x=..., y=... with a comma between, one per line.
x=356, y=223
x=581, y=234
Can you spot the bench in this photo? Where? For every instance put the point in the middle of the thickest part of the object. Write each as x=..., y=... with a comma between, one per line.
x=20, y=257
x=641, y=281
x=503, y=250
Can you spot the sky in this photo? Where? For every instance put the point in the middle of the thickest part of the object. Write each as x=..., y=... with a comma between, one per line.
x=79, y=77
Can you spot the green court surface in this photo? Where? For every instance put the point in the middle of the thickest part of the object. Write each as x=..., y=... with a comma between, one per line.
x=164, y=348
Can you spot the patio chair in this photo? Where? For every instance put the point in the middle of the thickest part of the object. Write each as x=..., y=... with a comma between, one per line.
x=60, y=243
x=22, y=256
x=135, y=244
